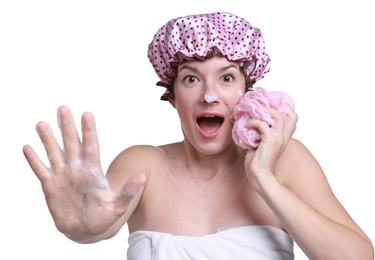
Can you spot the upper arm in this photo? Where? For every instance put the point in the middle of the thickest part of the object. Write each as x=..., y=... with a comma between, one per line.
x=302, y=174
x=132, y=161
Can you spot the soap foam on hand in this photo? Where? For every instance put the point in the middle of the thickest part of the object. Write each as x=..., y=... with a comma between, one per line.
x=254, y=104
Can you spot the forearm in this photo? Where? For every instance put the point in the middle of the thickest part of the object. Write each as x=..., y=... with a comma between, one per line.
x=318, y=236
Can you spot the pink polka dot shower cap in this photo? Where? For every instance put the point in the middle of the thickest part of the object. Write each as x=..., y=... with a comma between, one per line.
x=201, y=36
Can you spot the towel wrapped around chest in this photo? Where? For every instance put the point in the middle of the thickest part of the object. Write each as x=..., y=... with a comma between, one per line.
x=247, y=242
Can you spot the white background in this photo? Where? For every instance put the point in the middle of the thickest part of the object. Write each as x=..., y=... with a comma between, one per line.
x=92, y=55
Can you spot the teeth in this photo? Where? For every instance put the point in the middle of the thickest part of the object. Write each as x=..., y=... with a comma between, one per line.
x=209, y=116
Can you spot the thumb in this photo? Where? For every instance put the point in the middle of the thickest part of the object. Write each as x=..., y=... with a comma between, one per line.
x=131, y=187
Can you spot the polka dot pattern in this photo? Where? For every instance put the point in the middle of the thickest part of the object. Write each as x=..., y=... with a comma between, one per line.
x=198, y=37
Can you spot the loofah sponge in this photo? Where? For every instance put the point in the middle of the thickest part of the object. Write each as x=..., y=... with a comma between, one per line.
x=254, y=104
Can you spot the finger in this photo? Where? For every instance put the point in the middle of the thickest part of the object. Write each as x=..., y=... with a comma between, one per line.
x=292, y=118
x=279, y=121
x=71, y=141
x=37, y=166
x=53, y=149
x=262, y=126
x=130, y=189
x=90, y=140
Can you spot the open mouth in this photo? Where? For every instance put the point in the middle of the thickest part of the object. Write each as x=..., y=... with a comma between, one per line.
x=209, y=124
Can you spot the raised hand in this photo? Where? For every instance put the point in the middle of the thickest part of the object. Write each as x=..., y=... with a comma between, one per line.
x=77, y=192
x=273, y=142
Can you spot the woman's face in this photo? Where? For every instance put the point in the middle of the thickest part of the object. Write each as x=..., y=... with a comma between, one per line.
x=205, y=93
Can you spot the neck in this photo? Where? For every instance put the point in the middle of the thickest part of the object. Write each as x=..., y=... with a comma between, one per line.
x=209, y=166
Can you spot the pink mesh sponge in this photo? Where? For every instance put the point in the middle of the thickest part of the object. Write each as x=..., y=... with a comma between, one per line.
x=254, y=104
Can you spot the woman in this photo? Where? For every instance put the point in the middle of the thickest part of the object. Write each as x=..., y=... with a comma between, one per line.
x=204, y=197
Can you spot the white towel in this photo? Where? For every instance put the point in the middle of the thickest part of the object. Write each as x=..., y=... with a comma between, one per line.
x=248, y=242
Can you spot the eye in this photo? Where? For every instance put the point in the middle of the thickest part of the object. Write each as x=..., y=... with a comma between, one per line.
x=228, y=78
x=190, y=79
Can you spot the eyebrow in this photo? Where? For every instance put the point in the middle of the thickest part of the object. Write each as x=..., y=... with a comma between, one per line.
x=221, y=69
x=187, y=67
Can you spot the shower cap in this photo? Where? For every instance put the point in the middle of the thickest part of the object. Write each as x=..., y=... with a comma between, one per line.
x=201, y=36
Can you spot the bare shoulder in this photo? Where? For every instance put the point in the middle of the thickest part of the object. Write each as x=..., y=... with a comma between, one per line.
x=139, y=152
x=297, y=150
x=137, y=159
x=298, y=164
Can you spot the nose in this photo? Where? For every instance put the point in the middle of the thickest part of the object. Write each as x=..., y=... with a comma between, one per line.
x=210, y=91
x=210, y=96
